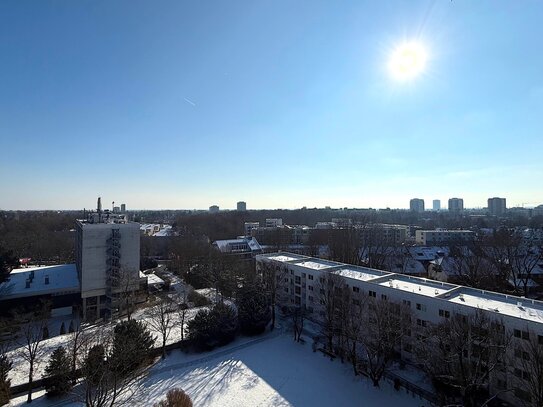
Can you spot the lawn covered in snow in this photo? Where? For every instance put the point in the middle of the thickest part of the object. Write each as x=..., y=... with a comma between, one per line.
x=271, y=371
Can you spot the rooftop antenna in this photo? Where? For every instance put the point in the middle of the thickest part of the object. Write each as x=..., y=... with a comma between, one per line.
x=113, y=206
x=99, y=209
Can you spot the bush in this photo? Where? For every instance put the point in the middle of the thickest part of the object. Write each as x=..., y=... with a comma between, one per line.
x=198, y=299
x=58, y=379
x=175, y=398
x=215, y=327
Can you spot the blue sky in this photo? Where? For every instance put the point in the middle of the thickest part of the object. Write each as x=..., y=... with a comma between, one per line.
x=283, y=104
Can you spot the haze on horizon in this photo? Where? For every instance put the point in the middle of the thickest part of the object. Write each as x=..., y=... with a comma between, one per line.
x=184, y=105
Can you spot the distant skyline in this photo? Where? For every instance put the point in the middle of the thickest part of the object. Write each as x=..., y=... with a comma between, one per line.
x=184, y=105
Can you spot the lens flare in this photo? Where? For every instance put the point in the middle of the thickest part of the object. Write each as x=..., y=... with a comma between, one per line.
x=407, y=61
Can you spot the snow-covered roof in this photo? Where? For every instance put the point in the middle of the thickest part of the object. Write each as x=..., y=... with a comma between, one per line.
x=62, y=279
x=421, y=286
x=227, y=245
x=360, y=273
x=500, y=303
x=153, y=279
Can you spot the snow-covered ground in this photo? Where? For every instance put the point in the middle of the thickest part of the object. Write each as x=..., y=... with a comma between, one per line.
x=268, y=371
x=19, y=371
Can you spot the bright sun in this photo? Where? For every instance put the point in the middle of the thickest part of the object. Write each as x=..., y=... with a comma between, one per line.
x=407, y=61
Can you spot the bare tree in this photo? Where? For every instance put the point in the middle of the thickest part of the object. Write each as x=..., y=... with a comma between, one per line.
x=79, y=339
x=125, y=286
x=297, y=315
x=530, y=355
x=387, y=324
x=471, y=267
x=161, y=319
x=273, y=279
x=31, y=340
x=461, y=353
x=353, y=328
x=330, y=289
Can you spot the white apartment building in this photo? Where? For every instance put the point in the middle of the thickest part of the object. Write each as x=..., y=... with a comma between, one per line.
x=107, y=260
x=249, y=226
x=274, y=222
x=430, y=301
x=442, y=237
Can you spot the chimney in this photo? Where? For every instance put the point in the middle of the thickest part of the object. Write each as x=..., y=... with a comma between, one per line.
x=46, y=280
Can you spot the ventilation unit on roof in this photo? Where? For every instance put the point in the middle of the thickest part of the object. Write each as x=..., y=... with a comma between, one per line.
x=519, y=304
x=436, y=291
x=461, y=296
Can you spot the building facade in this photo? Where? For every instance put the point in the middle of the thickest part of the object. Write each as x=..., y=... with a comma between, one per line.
x=436, y=205
x=443, y=237
x=416, y=205
x=456, y=205
x=430, y=303
x=241, y=206
x=107, y=261
x=497, y=206
x=213, y=209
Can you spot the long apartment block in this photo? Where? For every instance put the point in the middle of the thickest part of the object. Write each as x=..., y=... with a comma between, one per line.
x=430, y=301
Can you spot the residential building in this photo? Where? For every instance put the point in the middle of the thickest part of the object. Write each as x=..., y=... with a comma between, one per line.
x=213, y=209
x=416, y=205
x=443, y=237
x=380, y=233
x=241, y=206
x=274, y=222
x=456, y=205
x=249, y=226
x=497, y=206
x=429, y=303
x=436, y=205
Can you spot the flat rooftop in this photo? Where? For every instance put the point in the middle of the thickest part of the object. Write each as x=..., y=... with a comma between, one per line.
x=62, y=279
x=421, y=286
x=360, y=273
x=523, y=308
x=284, y=257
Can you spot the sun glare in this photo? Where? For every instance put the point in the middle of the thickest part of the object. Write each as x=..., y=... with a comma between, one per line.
x=407, y=61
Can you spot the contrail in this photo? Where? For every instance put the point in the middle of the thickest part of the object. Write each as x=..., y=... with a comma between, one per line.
x=190, y=101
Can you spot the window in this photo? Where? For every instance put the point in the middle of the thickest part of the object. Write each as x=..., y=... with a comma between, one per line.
x=422, y=322
x=444, y=314
x=406, y=303
x=310, y=298
x=356, y=302
x=286, y=289
x=540, y=339
x=310, y=277
x=372, y=294
x=421, y=307
x=304, y=275
x=322, y=290
x=298, y=280
x=383, y=297
x=356, y=289
x=298, y=300
x=297, y=290
x=310, y=287
x=517, y=333
x=321, y=302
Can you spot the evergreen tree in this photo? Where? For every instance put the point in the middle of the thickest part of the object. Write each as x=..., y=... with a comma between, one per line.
x=94, y=364
x=132, y=343
x=58, y=373
x=62, y=329
x=5, y=383
x=215, y=327
x=254, y=312
x=7, y=261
